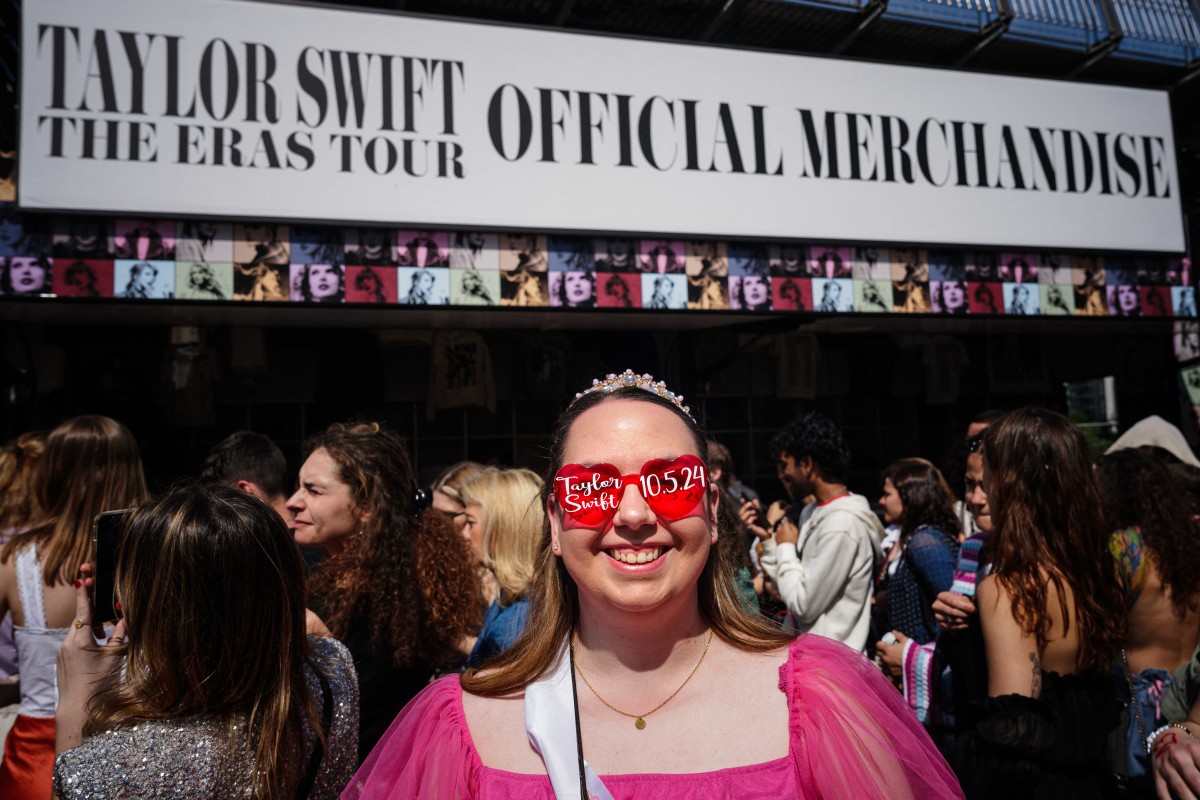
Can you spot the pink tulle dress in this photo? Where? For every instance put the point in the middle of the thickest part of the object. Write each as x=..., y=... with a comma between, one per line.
x=852, y=736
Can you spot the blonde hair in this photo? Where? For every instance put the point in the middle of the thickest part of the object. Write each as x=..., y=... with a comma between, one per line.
x=513, y=519
x=454, y=476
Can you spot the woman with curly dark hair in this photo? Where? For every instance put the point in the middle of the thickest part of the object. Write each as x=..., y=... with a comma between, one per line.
x=1154, y=542
x=397, y=584
x=920, y=565
x=1053, y=619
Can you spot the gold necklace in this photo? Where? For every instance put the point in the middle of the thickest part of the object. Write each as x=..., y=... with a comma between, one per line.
x=639, y=720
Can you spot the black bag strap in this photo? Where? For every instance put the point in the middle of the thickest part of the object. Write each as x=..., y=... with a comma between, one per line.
x=583, y=790
x=314, y=760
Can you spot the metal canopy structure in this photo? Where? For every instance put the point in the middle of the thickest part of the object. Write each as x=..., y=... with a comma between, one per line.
x=1160, y=32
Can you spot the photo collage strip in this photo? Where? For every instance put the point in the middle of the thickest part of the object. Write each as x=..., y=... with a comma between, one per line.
x=145, y=259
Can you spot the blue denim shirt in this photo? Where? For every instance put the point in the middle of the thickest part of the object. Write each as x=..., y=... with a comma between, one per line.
x=501, y=627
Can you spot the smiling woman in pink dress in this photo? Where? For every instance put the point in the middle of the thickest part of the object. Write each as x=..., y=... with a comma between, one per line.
x=639, y=673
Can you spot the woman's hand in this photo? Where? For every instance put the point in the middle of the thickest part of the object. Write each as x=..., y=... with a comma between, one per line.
x=786, y=532
x=951, y=610
x=1176, y=764
x=775, y=512
x=892, y=655
x=81, y=664
x=749, y=514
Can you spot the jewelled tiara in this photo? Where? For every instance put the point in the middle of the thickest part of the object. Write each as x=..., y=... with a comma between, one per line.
x=646, y=383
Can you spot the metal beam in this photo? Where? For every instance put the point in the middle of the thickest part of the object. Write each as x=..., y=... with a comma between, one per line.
x=1193, y=67
x=1097, y=53
x=1191, y=74
x=993, y=31
x=560, y=14
x=872, y=12
x=1102, y=49
x=718, y=20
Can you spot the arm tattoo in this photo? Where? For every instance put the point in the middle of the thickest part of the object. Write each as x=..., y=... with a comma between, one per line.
x=1037, y=675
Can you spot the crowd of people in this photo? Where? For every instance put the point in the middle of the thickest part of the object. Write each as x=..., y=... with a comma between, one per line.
x=635, y=622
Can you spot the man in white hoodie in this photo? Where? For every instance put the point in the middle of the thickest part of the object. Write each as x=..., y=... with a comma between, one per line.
x=823, y=559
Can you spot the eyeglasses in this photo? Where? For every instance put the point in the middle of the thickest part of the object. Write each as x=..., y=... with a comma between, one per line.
x=589, y=496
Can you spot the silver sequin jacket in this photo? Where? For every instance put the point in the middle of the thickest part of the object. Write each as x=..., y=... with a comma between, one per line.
x=185, y=759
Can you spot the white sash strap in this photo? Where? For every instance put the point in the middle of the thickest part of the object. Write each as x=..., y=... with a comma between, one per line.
x=29, y=585
x=550, y=724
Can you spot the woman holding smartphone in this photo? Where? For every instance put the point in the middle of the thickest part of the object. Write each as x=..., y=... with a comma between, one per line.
x=208, y=686
x=90, y=464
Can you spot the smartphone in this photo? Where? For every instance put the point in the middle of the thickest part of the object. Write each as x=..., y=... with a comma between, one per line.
x=107, y=530
x=760, y=517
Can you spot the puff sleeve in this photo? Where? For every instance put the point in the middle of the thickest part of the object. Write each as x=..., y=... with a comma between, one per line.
x=853, y=734
x=425, y=753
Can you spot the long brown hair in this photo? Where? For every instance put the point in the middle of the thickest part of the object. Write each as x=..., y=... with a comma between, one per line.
x=17, y=462
x=90, y=464
x=1049, y=527
x=1139, y=491
x=554, y=603
x=925, y=496
x=207, y=575
x=410, y=574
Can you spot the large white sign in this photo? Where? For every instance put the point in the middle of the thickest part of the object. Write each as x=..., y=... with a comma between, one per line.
x=258, y=110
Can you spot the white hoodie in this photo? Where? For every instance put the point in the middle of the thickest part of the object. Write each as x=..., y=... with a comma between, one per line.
x=825, y=578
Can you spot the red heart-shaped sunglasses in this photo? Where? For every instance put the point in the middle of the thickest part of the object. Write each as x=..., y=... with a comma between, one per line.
x=589, y=496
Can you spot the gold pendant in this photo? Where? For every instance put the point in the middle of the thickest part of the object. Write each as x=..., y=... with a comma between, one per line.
x=639, y=723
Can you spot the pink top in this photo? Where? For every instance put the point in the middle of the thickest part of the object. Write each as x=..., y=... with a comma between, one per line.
x=852, y=735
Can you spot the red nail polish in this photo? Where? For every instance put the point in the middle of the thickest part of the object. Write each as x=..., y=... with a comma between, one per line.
x=117, y=606
x=78, y=583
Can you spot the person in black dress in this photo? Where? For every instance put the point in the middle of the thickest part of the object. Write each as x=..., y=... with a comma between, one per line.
x=1052, y=616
